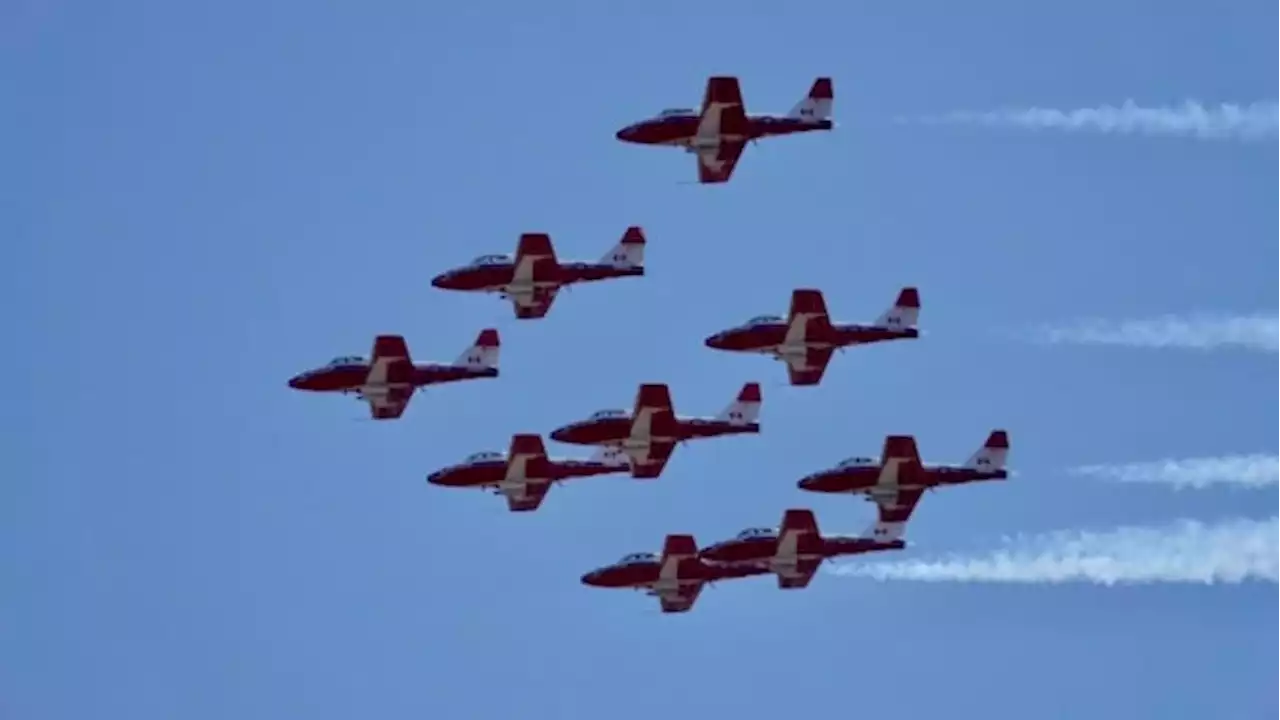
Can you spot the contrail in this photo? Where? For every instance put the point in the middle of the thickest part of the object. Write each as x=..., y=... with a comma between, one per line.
x=1256, y=121
x=1255, y=332
x=1250, y=471
x=1186, y=552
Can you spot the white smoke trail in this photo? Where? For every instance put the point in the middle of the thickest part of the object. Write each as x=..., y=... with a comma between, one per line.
x=1186, y=552
x=1256, y=121
x=1250, y=471
x=1255, y=332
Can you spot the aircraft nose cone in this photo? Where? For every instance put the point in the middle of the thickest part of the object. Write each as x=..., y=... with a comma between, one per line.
x=807, y=483
x=295, y=382
x=627, y=134
x=592, y=578
x=559, y=434
x=440, y=281
x=715, y=341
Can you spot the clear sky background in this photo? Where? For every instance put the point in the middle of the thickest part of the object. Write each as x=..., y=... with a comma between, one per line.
x=199, y=200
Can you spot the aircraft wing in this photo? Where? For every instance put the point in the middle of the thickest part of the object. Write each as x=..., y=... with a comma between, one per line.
x=647, y=466
x=654, y=423
x=389, y=386
x=535, y=304
x=390, y=404
x=722, y=129
x=808, y=369
x=897, y=508
x=716, y=164
x=682, y=599
x=899, y=457
x=527, y=497
x=799, y=574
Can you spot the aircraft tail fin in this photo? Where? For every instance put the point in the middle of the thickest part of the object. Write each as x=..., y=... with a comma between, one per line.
x=745, y=409
x=483, y=353
x=629, y=252
x=818, y=104
x=993, y=453
x=905, y=312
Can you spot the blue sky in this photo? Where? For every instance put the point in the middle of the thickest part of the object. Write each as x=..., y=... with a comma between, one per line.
x=202, y=201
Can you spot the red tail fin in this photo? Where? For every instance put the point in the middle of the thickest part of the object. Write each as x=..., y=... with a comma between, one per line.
x=822, y=89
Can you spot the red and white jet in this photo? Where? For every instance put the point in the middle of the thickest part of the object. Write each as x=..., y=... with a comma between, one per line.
x=676, y=577
x=524, y=474
x=900, y=478
x=387, y=380
x=721, y=130
x=649, y=434
x=806, y=338
x=532, y=279
x=794, y=550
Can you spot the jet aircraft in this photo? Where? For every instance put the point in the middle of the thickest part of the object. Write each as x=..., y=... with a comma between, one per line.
x=650, y=432
x=532, y=279
x=794, y=550
x=524, y=474
x=676, y=577
x=900, y=477
x=806, y=338
x=721, y=130
x=387, y=380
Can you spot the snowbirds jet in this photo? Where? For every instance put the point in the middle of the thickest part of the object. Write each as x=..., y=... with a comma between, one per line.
x=532, y=279
x=525, y=473
x=650, y=432
x=806, y=338
x=794, y=550
x=387, y=380
x=900, y=478
x=721, y=130
x=676, y=577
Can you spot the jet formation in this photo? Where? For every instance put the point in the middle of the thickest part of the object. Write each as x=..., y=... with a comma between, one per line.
x=639, y=442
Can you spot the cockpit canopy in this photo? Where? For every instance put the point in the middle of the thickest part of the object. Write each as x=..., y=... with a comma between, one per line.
x=765, y=320
x=347, y=360
x=484, y=456
x=676, y=112
x=492, y=260
x=602, y=414
x=635, y=558
x=757, y=533
x=857, y=462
